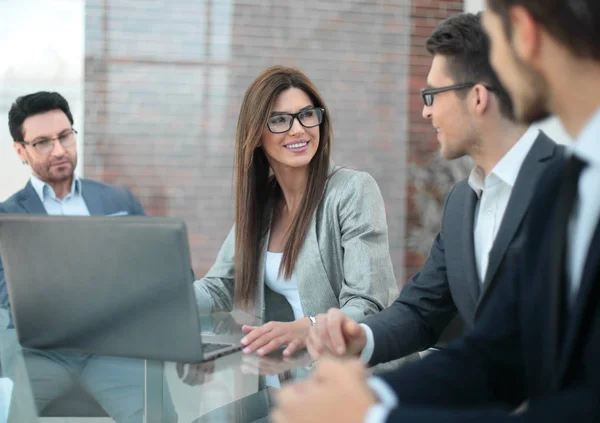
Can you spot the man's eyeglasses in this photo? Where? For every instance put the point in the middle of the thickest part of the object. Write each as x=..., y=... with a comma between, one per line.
x=45, y=145
x=282, y=122
x=429, y=93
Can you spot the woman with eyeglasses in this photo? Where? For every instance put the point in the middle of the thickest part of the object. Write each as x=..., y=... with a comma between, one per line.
x=308, y=235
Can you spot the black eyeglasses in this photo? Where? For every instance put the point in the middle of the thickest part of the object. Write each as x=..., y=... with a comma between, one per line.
x=45, y=145
x=429, y=93
x=282, y=122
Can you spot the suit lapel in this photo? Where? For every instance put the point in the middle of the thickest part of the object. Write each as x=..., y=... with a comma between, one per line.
x=533, y=166
x=93, y=201
x=313, y=282
x=31, y=201
x=468, y=245
x=585, y=298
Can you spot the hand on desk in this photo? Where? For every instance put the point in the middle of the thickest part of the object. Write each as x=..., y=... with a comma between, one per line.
x=197, y=373
x=335, y=334
x=337, y=392
x=270, y=336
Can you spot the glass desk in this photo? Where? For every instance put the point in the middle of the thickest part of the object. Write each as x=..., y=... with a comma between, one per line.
x=67, y=386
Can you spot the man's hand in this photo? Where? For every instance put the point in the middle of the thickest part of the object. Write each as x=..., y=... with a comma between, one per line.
x=270, y=336
x=335, y=334
x=337, y=392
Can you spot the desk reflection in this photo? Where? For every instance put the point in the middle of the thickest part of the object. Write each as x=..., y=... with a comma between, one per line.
x=73, y=384
x=232, y=388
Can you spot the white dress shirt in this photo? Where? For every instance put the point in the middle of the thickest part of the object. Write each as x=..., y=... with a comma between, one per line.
x=586, y=213
x=493, y=192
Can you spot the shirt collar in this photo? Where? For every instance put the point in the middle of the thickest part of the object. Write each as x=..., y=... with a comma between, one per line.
x=586, y=145
x=43, y=189
x=476, y=180
x=507, y=169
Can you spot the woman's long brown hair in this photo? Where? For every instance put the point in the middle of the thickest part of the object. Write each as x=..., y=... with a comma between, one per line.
x=256, y=192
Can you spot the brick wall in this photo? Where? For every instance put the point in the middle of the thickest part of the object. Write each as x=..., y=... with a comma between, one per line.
x=429, y=178
x=164, y=81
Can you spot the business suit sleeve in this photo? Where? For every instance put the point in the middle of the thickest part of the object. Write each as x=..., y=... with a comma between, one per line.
x=482, y=376
x=483, y=368
x=416, y=320
x=369, y=282
x=215, y=290
x=135, y=207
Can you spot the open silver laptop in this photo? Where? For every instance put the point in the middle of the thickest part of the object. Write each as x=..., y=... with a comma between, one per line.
x=107, y=285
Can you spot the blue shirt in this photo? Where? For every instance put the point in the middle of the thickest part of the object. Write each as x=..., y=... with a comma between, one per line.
x=71, y=205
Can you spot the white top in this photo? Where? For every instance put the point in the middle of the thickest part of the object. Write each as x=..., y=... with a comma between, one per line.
x=586, y=213
x=287, y=288
x=494, y=192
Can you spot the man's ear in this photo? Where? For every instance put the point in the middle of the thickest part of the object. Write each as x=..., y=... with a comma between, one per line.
x=482, y=99
x=20, y=149
x=526, y=34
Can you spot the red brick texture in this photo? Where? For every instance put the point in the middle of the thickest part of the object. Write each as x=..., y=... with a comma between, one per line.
x=164, y=81
x=422, y=145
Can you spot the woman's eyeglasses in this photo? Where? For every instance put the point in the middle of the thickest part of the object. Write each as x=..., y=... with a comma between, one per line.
x=282, y=122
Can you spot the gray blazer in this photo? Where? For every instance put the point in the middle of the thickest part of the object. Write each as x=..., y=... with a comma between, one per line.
x=448, y=282
x=344, y=261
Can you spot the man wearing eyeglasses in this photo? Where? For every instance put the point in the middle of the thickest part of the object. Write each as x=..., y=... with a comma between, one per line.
x=483, y=217
x=41, y=125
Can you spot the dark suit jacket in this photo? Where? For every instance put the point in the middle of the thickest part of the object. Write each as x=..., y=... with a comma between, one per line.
x=515, y=352
x=448, y=282
x=101, y=200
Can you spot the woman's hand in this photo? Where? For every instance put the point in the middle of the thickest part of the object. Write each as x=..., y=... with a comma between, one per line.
x=270, y=336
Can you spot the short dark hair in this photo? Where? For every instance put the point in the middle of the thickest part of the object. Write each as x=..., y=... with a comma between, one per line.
x=463, y=41
x=33, y=104
x=576, y=24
